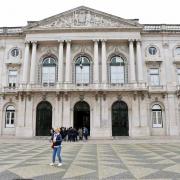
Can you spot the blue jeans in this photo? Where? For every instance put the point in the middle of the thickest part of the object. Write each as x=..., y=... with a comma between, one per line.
x=57, y=150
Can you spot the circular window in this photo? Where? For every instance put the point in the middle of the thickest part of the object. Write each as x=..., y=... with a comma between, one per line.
x=152, y=50
x=15, y=52
x=177, y=51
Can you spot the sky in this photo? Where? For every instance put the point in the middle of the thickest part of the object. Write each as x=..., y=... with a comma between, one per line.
x=18, y=12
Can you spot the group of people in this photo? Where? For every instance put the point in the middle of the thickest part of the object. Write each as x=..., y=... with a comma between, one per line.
x=60, y=134
x=72, y=134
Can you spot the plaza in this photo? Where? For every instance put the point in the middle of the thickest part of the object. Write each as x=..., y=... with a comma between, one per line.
x=124, y=158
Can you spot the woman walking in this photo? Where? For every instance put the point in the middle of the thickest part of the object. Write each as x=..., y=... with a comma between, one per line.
x=56, y=140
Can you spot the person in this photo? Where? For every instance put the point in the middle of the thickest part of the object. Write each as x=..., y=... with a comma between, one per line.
x=57, y=140
x=85, y=133
x=80, y=133
x=52, y=134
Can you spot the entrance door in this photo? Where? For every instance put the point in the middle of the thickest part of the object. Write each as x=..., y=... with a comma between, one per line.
x=120, y=124
x=82, y=115
x=43, y=118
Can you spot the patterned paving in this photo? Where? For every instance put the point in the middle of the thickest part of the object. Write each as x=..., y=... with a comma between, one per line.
x=90, y=161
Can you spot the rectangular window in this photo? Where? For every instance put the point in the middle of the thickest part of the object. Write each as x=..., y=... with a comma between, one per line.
x=117, y=74
x=12, y=78
x=178, y=76
x=10, y=118
x=48, y=75
x=82, y=74
x=154, y=77
x=157, y=119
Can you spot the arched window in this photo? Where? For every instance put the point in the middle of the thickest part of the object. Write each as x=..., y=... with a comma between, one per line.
x=157, y=121
x=49, y=71
x=10, y=116
x=117, y=70
x=82, y=70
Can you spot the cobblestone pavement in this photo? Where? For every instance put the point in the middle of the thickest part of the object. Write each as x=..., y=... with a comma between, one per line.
x=23, y=159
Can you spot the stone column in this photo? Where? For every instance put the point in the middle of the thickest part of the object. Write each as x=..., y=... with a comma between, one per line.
x=25, y=64
x=96, y=63
x=104, y=62
x=139, y=62
x=33, y=63
x=68, y=62
x=131, y=61
x=60, y=63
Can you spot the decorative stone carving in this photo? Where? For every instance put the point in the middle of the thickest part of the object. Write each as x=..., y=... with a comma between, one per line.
x=119, y=97
x=142, y=95
x=66, y=96
x=22, y=96
x=44, y=96
x=104, y=96
x=29, y=96
x=163, y=95
x=48, y=50
x=134, y=95
x=17, y=96
x=81, y=97
x=85, y=18
x=58, y=95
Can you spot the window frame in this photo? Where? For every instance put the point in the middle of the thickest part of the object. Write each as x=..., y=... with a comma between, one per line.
x=10, y=77
x=121, y=65
x=150, y=51
x=154, y=75
x=79, y=66
x=157, y=112
x=10, y=114
x=15, y=49
x=48, y=67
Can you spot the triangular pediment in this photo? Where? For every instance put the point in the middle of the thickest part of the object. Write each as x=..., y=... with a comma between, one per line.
x=82, y=17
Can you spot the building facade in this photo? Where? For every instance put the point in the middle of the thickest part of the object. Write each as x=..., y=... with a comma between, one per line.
x=88, y=68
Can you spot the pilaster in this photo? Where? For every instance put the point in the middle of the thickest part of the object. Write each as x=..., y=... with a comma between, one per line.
x=33, y=63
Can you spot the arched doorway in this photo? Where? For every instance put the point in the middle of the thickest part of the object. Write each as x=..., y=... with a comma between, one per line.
x=120, y=124
x=82, y=115
x=43, y=118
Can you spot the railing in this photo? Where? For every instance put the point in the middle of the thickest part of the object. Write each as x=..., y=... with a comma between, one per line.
x=11, y=30
x=158, y=88
x=162, y=27
x=77, y=87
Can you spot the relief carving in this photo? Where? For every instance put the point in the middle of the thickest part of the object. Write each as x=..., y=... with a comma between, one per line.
x=84, y=18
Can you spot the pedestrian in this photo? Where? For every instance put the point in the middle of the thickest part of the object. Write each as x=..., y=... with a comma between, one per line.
x=51, y=134
x=85, y=133
x=56, y=145
x=80, y=133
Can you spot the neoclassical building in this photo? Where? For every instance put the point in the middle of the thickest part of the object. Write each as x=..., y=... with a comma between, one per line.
x=84, y=67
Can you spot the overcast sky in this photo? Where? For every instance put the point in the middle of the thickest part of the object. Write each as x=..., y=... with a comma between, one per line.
x=18, y=12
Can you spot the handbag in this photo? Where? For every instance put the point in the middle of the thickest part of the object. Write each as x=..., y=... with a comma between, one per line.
x=52, y=145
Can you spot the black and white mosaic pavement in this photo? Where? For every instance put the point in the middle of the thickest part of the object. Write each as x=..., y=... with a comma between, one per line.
x=90, y=161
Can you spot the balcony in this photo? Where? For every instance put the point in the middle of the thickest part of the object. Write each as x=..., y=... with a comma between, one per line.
x=157, y=89
x=10, y=89
x=76, y=87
